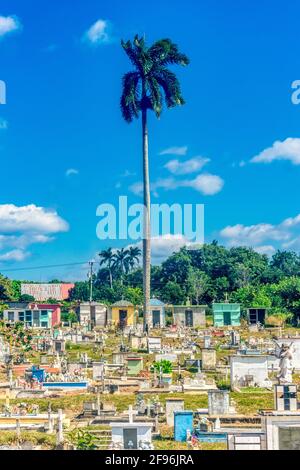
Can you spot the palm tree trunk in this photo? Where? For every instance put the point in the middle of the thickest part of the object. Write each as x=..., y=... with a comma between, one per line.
x=110, y=278
x=147, y=226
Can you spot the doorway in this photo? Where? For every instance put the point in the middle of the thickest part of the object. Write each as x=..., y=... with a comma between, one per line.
x=189, y=318
x=227, y=318
x=130, y=438
x=155, y=318
x=123, y=318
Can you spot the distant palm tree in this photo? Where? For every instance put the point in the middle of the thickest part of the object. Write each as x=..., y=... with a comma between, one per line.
x=142, y=91
x=134, y=254
x=107, y=259
x=121, y=262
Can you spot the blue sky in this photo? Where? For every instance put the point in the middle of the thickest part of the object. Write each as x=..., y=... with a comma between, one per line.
x=65, y=148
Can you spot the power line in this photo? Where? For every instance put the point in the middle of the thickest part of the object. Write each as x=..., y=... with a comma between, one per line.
x=44, y=267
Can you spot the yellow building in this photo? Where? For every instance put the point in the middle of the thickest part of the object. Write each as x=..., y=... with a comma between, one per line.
x=122, y=314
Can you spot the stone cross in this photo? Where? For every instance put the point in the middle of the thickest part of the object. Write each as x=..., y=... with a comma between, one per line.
x=130, y=414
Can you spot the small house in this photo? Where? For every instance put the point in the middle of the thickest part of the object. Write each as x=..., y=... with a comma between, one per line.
x=226, y=314
x=189, y=315
x=33, y=315
x=256, y=315
x=157, y=314
x=122, y=314
x=92, y=314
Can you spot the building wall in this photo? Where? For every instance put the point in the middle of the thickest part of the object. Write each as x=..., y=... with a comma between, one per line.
x=218, y=314
x=199, y=318
x=85, y=314
x=162, y=315
x=46, y=291
x=240, y=366
x=16, y=318
x=130, y=315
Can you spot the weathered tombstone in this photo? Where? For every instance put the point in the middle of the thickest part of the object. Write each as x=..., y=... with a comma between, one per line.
x=118, y=358
x=218, y=402
x=249, y=370
x=166, y=357
x=209, y=359
x=172, y=405
x=98, y=370
x=207, y=341
x=135, y=342
x=154, y=344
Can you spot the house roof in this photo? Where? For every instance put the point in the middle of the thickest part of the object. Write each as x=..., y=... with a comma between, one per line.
x=156, y=303
x=122, y=303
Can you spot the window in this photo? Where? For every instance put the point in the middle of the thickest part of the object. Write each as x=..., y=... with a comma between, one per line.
x=11, y=316
x=44, y=324
x=28, y=317
x=21, y=316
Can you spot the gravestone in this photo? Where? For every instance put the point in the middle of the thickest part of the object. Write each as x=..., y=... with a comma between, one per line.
x=154, y=344
x=135, y=342
x=166, y=357
x=207, y=342
x=249, y=370
x=218, y=402
x=118, y=358
x=285, y=397
x=98, y=370
x=172, y=405
x=209, y=359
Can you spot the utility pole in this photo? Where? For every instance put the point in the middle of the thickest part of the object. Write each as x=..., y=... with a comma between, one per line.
x=91, y=263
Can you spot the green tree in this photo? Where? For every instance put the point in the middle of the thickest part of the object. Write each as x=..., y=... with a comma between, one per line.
x=134, y=253
x=107, y=259
x=142, y=91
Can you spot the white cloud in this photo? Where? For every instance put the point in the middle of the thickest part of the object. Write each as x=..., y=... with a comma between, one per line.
x=99, y=33
x=72, y=171
x=288, y=149
x=189, y=166
x=263, y=236
x=14, y=255
x=9, y=24
x=206, y=184
x=268, y=250
x=30, y=218
x=175, y=151
x=3, y=124
x=21, y=227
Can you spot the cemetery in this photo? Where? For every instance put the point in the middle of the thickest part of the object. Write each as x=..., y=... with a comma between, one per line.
x=181, y=387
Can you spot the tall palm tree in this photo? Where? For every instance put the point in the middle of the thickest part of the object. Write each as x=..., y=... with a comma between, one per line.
x=134, y=254
x=121, y=262
x=143, y=90
x=107, y=259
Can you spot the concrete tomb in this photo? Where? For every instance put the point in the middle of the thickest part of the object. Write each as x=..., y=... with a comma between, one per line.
x=173, y=405
x=209, y=359
x=246, y=371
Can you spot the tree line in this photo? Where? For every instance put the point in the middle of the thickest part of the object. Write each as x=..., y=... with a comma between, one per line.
x=200, y=276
